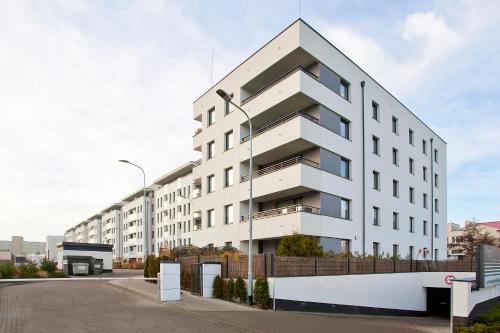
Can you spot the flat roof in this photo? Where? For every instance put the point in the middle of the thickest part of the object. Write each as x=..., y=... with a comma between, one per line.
x=182, y=170
x=114, y=206
x=75, y=246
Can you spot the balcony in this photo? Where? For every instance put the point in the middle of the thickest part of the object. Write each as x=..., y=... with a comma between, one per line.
x=280, y=166
x=197, y=139
x=281, y=211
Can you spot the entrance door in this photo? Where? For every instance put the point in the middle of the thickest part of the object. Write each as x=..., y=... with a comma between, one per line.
x=196, y=279
x=438, y=302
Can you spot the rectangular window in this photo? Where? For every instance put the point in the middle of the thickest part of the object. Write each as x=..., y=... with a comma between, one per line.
x=376, y=145
x=395, y=188
x=211, y=117
x=376, y=180
x=411, y=137
x=411, y=166
x=228, y=140
x=436, y=230
x=227, y=106
x=436, y=205
x=411, y=251
x=375, y=111
x=424, y=147
x=436, y=253
x=395, y=250
x=344, y=168
x=210, y=150
x=228, y=177
x=228, y=214
x=376, y=216
x=345, y=128
x=344, y=89
x=345, y=246
x=425, y=228
x=424, y=173
x=412, y=224
x=412, y=195
x=345, y=209
x=436, y=180
x=395, y=156
x=210, y=184
x=395, y=129
x=436, y=155
x=210, y=218
x=424, y=199
x=395, y=220
x=376, y=249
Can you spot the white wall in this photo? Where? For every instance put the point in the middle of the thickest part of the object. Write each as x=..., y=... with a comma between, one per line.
x=107, y=257
x=464, y=299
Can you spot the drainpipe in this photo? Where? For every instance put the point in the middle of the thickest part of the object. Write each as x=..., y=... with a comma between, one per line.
x=432, y=199
x=363, y=159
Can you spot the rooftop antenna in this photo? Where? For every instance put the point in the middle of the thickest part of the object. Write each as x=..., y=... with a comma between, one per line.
x=212, y=68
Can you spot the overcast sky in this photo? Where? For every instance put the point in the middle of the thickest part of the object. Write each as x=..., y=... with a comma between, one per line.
x=85, y=83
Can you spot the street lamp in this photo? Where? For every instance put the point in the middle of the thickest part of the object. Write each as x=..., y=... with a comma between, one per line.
x=145, y=208
x=226, y=97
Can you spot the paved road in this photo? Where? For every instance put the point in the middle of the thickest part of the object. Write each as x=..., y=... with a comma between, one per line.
x=97, y=306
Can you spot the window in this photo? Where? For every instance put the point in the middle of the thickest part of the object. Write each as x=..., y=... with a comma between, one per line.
x=344, y=89
x=425, y=228
x=344, y=168
x=375, y=111
x=395, y=188
x=436, y=155
x=412, y=224
x=376, y=216
x=426, y=252
x=345, y=211
x=395, y=220
x=228, y=214
x=345, y=246
x=376, y=145
x=210, y=150
x=424, y=147
x=411, y=166
x=210, y=183
x=227, y=106
x=210, y=218
x=412, y=195
x=376, y=249
x=211, y=117
x=436, y=180
x=436, y=252
x=436, y=230
x=424, y=199
x=395, y=156
x=395, y=125
x=228, y=140
x=228, y=177
x=345, y=128
x=395, y=250
x=376, y=180
x=411, y=137
x=436, y=205
x=424, y=173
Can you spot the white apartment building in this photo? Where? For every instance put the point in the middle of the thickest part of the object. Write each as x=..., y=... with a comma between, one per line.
x=335, y=156
x=81, y=232
x=94, y=232
x=70, y=235
x=112, y=231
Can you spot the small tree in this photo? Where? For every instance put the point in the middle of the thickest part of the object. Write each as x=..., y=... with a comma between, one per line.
x=7, y=270
x=218, y=287
x=48, y=266
x=261, y=293
x=27, y=270
x=297, y=245
x=240, y=290
x=229, y=290
x=471, y=237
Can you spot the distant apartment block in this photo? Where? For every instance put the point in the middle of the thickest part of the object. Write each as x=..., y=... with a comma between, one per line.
x=19, y=247
x=455, y=234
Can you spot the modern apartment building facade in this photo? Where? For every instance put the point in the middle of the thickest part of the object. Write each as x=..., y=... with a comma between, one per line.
x=335, y=156
x=112, y=229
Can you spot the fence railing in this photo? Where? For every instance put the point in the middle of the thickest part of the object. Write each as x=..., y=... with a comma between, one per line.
x=279, y=166
x=269, y=265
x=282, y=211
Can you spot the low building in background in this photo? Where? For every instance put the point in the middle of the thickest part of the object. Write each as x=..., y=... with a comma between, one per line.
x=455, y=234
x=6, y=256
x=50, y=246
x=19, y=247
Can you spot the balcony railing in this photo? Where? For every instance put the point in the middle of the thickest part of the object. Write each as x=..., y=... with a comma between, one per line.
x=276, y=81
x=282, y=211
x=197, y=162
x=198, y=131
x=276, y=123
x=279, y=166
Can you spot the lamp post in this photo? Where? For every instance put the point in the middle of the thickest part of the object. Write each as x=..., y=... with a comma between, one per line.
x=145, y=209
x=226, y=97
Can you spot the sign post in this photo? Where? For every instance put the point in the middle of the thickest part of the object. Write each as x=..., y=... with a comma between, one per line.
x=488, y=266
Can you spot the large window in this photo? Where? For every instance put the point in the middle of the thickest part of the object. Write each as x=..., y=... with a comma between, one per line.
x=412, y=195
x=376, y=216
x=395, y=220
x=412, y=224
x=344, y=168
x=376, y=180
x=411, y=137
x=210, y=184
x=424, y=147
x=345, y=209
x=425, y=228
x=345, y=128
x=395, y=250
x=436, y=180
x=395, y=129
x=395, y=188
x=210, y=218
x=436, y=205
x=211, y=117
x=210, y=150
x=411, y=166
x=424, y=173
x=376, y=249
x=228, y=177
x=376, y=145
x=344, y=89
x=228, y=140
x=228, y=214
x=375, y=111
x=436, y=230
x=424, y=200
x=395, y=156
x=436, y=156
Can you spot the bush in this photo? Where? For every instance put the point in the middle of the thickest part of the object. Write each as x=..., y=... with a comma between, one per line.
x=185, y=280
x=297, y=245
x=229, y=290
x=117, y=265
x=48, y=266
x=7, y=270
x=27, y=270
x=491, y=317
x=218, y=287
x=57, y=274
x=480, y=328
x=149, y=266
x=136, y=265
x=261, y=293
x=240, y=290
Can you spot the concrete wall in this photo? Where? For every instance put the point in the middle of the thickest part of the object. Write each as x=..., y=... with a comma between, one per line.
x=467, y=304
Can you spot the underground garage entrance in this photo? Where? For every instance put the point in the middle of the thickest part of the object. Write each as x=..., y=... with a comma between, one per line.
x=438, y=302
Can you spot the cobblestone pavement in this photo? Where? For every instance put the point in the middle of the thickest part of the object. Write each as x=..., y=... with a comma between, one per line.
x=96, y=306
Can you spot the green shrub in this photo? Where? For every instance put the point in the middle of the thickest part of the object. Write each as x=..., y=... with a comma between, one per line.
x=491, y=317
x=297, y=245
x=48, y=266
x=240, y=290
x=480, y=328
x=7, y=270
x=27, y=270
x=261, y=293
x=149, y=266
x=229, y=290
x=218, y=287
x=57, y=274
x=185, y=280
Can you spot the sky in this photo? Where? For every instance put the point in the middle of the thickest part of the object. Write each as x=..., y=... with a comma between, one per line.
x=85, y=83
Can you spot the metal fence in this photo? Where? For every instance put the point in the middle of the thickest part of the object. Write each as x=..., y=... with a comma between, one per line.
x=269, y=265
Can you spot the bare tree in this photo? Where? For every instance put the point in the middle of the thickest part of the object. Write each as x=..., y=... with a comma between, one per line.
x=472, y=236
